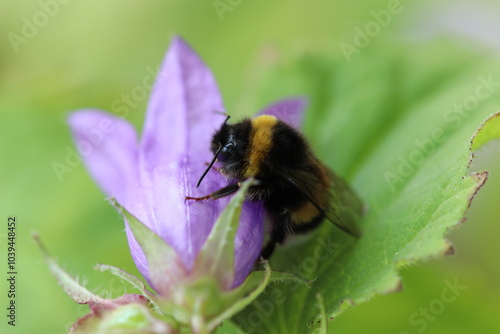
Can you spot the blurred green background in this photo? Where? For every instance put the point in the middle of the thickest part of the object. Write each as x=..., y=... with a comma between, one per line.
x=89, y=53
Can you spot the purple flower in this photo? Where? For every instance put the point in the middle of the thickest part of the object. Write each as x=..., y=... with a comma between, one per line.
x=151, y=178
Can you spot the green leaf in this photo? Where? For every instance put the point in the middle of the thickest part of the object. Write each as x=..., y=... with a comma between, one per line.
x=252, y=287
x=397, y=123
x=488, y=131
x=276, y=277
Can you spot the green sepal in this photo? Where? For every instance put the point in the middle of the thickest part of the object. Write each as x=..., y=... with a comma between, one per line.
x=129, y=319
x=70, y=285
x=216, y=257
x=166, y=270
x=135, y=281
x=129, y=313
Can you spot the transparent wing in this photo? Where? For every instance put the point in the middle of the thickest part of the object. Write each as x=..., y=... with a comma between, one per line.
x=343, y=207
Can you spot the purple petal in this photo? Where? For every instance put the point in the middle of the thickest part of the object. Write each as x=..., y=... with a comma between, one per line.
x=109, y=148
x=248, y=241
x=151, y=180
x=181, y=114
x=180, y=122
x=290, y=110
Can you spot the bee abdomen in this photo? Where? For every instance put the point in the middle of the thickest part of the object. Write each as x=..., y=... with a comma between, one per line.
x=304, y=214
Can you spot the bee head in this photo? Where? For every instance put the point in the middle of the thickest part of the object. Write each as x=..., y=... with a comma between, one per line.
x=229, y=145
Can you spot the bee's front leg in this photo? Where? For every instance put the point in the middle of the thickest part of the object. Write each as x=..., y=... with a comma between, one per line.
x=223, y=192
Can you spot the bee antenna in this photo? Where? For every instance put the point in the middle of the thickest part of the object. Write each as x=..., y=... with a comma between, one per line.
x=221, y=113
x=215, y=155
x=209, y=166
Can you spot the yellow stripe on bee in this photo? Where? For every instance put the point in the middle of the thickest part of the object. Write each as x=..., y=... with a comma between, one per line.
x=305, y=214
x=260, y=142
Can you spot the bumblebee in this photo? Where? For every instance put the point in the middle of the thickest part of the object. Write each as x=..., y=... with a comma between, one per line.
x=298, y=191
